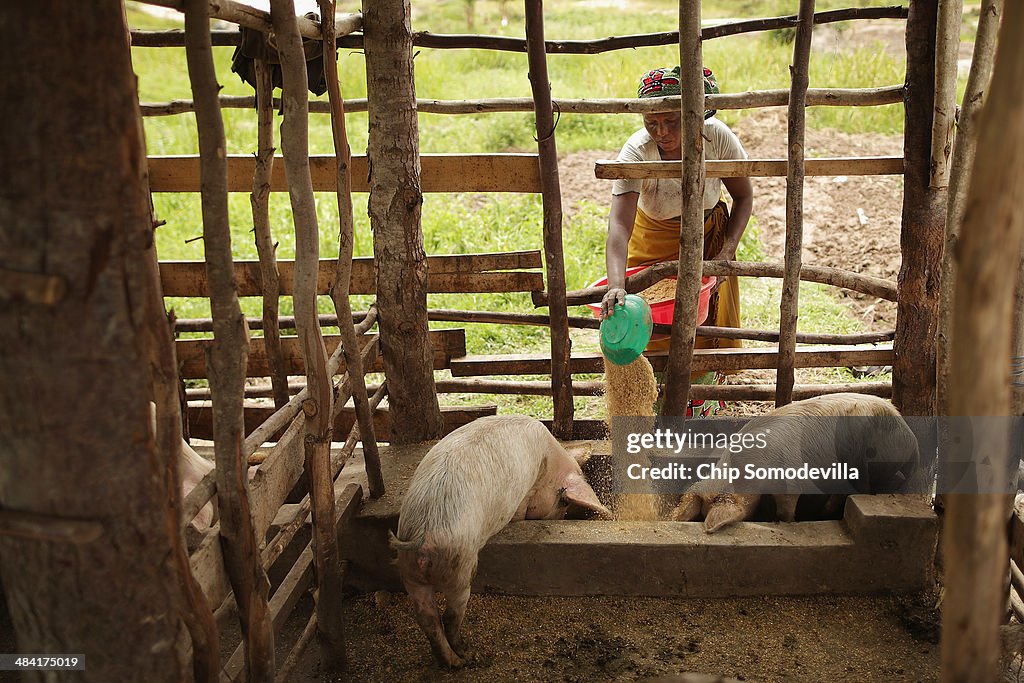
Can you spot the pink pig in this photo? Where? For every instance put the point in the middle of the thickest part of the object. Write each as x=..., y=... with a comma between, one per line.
x=471, y=484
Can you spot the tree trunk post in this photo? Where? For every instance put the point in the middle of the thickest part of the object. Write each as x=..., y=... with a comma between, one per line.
x=789, y=308
x=395, y=206
x=227, y=356
x=346, y=243
x=923, y=226
x=554, y=261
x=260, y=200
x=964, y=150
x=318, y=406
x=691, y=231
x=79, y=224
x=989, y=247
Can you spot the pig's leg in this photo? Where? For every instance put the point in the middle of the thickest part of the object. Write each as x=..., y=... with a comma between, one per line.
x=430, y=623
x=785, y=507
x=454, y=613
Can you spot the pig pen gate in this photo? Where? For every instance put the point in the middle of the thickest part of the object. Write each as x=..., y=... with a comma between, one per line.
x=408, y=353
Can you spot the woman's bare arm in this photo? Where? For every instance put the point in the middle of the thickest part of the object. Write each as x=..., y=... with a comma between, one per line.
x=742, y=193
x=620, y=228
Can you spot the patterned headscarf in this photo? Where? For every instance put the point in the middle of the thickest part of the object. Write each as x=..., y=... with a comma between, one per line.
x=664, y=82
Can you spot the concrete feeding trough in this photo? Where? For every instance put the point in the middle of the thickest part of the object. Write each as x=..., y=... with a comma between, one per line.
x=883, y=544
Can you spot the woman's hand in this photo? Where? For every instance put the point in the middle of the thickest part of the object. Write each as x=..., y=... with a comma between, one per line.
x=615, y=296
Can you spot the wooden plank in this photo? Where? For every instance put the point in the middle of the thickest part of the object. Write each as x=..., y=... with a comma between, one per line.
x=448, y=273
x=199, y=416
x=208, y=567
x=299, y=577
x=295, y=583
x=276, y=476
x=440, y=173
x=823, y=166
x=704, y=360
x=447, y=344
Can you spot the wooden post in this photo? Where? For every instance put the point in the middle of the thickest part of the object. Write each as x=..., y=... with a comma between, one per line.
x=789, y=308
x=395, y=204
x=265, y=246
x=93, y=233
x=227, y=355
x=343, y=276
x=318, y=405
x=155, y=336
x=965, y=146
x=947, y=48
x=554, y=262
x=921, y=234
x=691, y=232
x=988, y=248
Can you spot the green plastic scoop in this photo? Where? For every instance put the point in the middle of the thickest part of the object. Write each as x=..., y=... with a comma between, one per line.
x=626, y=332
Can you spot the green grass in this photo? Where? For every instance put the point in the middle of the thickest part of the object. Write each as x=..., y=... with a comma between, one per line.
x=498, y=222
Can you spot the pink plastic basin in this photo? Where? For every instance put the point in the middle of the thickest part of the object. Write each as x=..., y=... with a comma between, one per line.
x=661, y=311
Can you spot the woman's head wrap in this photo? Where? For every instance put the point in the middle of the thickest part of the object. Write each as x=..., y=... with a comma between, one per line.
x=664, y=82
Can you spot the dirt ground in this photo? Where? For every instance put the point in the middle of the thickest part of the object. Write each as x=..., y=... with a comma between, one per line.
x=611, y=639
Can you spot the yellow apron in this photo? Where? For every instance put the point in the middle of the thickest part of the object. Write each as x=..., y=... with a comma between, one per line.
x=654, y=241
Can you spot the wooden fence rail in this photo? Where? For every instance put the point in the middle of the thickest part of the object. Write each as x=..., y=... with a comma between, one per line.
x=816, y=97
x=231, y=37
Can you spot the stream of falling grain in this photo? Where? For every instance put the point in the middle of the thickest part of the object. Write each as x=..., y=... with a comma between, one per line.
x=631, y=390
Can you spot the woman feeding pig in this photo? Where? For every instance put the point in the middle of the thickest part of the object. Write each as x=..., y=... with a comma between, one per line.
x=644, y=224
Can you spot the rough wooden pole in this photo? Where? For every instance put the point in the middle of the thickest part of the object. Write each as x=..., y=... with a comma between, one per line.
x=352, y=22
x=346, y=239
x=227, y=356
x=265, y=246
x=989, y=247
x=1017, y=386
x=923, y=225
x=554, y=262
x=691, y=232
x=318, y=404
x=789, y=308
x=947, y=48
x=154, y=335
x=819, y=97
x=965, y=146
x=395, y=204
x=81, y=217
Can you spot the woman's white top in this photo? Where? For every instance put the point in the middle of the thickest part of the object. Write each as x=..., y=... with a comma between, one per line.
x=662, y=198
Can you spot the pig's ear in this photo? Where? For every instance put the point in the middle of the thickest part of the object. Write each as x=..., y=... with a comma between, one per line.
x=578, y=492
x=580, y=452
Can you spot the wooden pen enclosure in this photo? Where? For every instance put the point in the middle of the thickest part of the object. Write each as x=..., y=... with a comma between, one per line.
x=278, y=400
